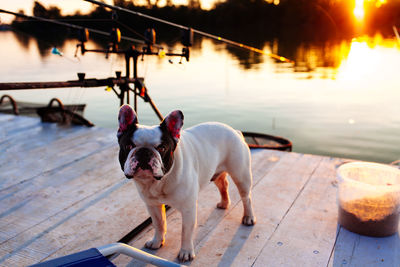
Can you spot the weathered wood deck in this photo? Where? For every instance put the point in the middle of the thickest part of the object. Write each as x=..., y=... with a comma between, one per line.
x=62, y=191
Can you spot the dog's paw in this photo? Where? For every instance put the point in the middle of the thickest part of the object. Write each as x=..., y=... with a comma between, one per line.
x=186, y=255
x=154, y=244
x=223, y=205
x=249, y=220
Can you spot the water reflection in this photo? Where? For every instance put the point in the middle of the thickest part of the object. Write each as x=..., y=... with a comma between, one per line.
x=340, y=98
x=308, y=56
x=366, y=57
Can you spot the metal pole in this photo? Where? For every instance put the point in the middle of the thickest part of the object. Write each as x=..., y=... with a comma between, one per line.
x=158, y=113
x=128, y=71
x=76, y=83
x=135, y=60
x=120, y=248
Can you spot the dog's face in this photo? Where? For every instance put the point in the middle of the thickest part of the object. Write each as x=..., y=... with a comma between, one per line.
x=147, y=152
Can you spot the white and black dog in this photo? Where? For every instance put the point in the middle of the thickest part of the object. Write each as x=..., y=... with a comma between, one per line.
x=170, y=168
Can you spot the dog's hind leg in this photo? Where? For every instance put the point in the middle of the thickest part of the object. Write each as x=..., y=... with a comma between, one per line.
x=222, y=183
x=244, y=186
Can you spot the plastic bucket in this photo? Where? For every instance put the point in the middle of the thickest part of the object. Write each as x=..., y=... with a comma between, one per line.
x=369, y=198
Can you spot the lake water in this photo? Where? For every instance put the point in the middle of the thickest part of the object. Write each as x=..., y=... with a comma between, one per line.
x=341, y=99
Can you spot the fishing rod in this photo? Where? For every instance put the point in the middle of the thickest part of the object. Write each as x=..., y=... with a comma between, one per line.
x=396, y=33
x=73, y=26
x=131, y=53
x=116, y=37
x=215, y=37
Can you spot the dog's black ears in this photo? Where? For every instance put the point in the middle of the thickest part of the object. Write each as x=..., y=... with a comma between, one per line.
x=126, y=117
x=174, y=123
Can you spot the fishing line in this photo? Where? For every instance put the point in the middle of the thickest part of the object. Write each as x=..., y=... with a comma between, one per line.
x=138, y=34
x=130, y=29
x=112, y=56
x=215, y=37
x=70, y=26
x=87, y=20
x=170, y=49
x=34, y=18
x=80, y=93
x=54, y=49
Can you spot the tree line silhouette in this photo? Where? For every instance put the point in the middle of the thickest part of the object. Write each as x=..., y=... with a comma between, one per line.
x=253, y=20
x=294, y=24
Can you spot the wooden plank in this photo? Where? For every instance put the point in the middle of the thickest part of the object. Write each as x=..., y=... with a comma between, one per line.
x=356, y=250
x=9, y=121
x=122, y=211
x=74, y=219
x=21, y=167
x=49, y=137
x=6, y=117
x=35, y=137
x=221, y=239
x=239, y=245
x=306, y=235
x=55, y=191
x=16, y=124
x=100, y=219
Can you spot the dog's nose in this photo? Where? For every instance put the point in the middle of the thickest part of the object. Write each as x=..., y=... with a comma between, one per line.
x=144, y=154
x=128, y=176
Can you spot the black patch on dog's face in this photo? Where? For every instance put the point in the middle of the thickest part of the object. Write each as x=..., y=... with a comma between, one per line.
x=126, y=144
x=166, y=148
x=143, y=156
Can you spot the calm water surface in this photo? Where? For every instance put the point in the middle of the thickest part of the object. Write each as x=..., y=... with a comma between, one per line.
x=341, y=99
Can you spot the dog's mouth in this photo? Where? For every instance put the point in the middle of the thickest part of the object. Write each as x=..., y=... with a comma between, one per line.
x=143, y=174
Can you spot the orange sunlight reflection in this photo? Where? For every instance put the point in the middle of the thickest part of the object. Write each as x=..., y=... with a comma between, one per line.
x=367, y=56
x=379, y=3
x=359, y=9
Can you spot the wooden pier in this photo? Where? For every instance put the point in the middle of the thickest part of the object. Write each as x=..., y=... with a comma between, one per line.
x=62, y=191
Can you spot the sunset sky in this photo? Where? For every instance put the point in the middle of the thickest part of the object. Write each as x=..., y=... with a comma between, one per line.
x=71, y=6
x=67, y=7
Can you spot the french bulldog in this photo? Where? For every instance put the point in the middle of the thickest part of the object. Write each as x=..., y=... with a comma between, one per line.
x=170, y=166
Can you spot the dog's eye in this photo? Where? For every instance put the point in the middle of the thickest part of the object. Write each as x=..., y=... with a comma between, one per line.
x=161, y=148
x=128, y=147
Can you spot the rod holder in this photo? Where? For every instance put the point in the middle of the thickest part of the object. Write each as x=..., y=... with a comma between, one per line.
x=83, y=35
x=187, y=37
x=150, y=38
x=81, y=76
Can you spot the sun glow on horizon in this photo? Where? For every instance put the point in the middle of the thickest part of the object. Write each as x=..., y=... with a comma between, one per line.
x=360, y=7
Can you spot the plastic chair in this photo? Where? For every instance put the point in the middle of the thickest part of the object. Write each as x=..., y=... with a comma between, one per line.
x=97, y=257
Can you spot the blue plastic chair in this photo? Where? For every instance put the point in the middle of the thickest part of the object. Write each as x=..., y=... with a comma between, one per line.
x=97, y=257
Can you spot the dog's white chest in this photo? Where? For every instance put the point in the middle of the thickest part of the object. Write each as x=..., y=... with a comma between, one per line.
x=153, y=191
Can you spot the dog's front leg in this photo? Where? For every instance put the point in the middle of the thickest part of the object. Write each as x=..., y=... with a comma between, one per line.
x=158, y=217
x=189, y=220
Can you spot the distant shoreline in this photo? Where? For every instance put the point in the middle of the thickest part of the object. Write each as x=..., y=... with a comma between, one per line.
x=291, y=20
